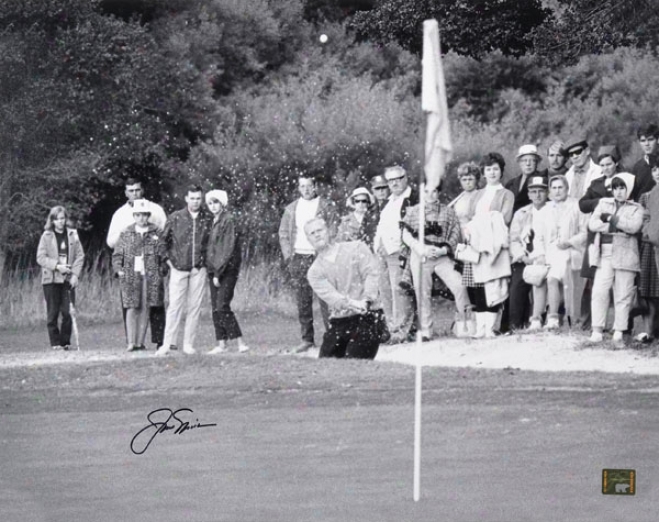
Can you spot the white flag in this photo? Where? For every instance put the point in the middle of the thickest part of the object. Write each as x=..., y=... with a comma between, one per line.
x=438, y=147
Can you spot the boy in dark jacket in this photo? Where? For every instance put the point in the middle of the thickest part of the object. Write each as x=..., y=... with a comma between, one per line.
x=183, y=248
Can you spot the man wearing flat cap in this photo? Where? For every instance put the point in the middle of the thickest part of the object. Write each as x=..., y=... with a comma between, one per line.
x=583, y=170
x=528, y=160
x=380, y=189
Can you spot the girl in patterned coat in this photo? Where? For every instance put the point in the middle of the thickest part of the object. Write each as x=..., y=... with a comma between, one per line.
x=139, y=268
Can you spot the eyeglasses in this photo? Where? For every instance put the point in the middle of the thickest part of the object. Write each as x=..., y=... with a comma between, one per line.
x=391, y=180
x=575, y=153
x=365, y=201
x=380, y=188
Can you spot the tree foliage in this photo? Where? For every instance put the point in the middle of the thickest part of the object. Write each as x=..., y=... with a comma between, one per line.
x=582, y=27
x=85, y=99
x=469, y=27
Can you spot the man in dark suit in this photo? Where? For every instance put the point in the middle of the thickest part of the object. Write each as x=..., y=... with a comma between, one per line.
x=528, y=160
x=648, y=138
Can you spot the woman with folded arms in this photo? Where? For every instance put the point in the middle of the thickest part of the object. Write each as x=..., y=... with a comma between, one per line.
x=616, y=223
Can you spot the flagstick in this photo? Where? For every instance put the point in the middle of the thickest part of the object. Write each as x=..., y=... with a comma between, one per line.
x=419, y=346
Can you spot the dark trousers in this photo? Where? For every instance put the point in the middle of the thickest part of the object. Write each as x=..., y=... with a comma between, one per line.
x=298, y=266
x=519, y=300
x=58, y=302
x=156, y=321
x=479, y=301
x=355, y=337
x=224, y=320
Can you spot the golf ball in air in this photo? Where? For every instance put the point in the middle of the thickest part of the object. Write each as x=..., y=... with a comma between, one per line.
x=323, y=38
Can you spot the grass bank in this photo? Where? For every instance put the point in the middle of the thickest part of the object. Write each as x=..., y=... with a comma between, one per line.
x=260, y=288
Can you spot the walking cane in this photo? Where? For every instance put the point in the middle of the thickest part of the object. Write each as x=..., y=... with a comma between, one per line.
x=74, y=319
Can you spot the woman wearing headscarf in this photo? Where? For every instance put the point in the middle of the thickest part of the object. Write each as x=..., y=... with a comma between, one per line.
x=361, y=223
x=490, y=212
x=136, y=262
x=223, y=260
x=616, y=223
x=60, y=256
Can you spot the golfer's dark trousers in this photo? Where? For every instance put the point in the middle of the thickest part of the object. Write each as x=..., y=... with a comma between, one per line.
x=353, y=337
x=224, y=320
x=58, y=303
x=519, y=301
x=298, y=266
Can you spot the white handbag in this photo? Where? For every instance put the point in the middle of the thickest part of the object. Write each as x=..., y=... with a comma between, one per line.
x=467, y=253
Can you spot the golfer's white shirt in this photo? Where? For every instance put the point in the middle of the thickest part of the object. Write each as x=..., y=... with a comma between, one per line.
x=305, y=211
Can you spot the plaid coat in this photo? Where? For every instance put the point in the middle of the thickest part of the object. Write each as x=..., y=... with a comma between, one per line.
x=132, y=244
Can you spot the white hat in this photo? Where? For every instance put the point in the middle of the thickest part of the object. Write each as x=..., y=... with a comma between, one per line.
x=629, y=180
x=537, y=182
x=141, y=206
x=219, y=195
x=528, y=150
x=359, y=191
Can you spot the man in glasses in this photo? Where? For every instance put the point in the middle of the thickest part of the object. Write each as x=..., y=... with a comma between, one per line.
x=122, y=219
x=583, y=170
x=398, y=303
x=528, y=160
x=380, y=189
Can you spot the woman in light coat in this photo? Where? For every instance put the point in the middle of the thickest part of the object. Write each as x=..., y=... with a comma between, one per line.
x=560, y=242
x=617, y=223
x=490, y=213
x=61, y=257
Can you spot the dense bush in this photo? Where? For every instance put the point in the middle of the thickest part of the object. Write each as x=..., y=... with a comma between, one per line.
x=328, y=121
x=603, y=97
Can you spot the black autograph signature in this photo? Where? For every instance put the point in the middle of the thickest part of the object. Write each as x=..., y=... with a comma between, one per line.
x=159, y=422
